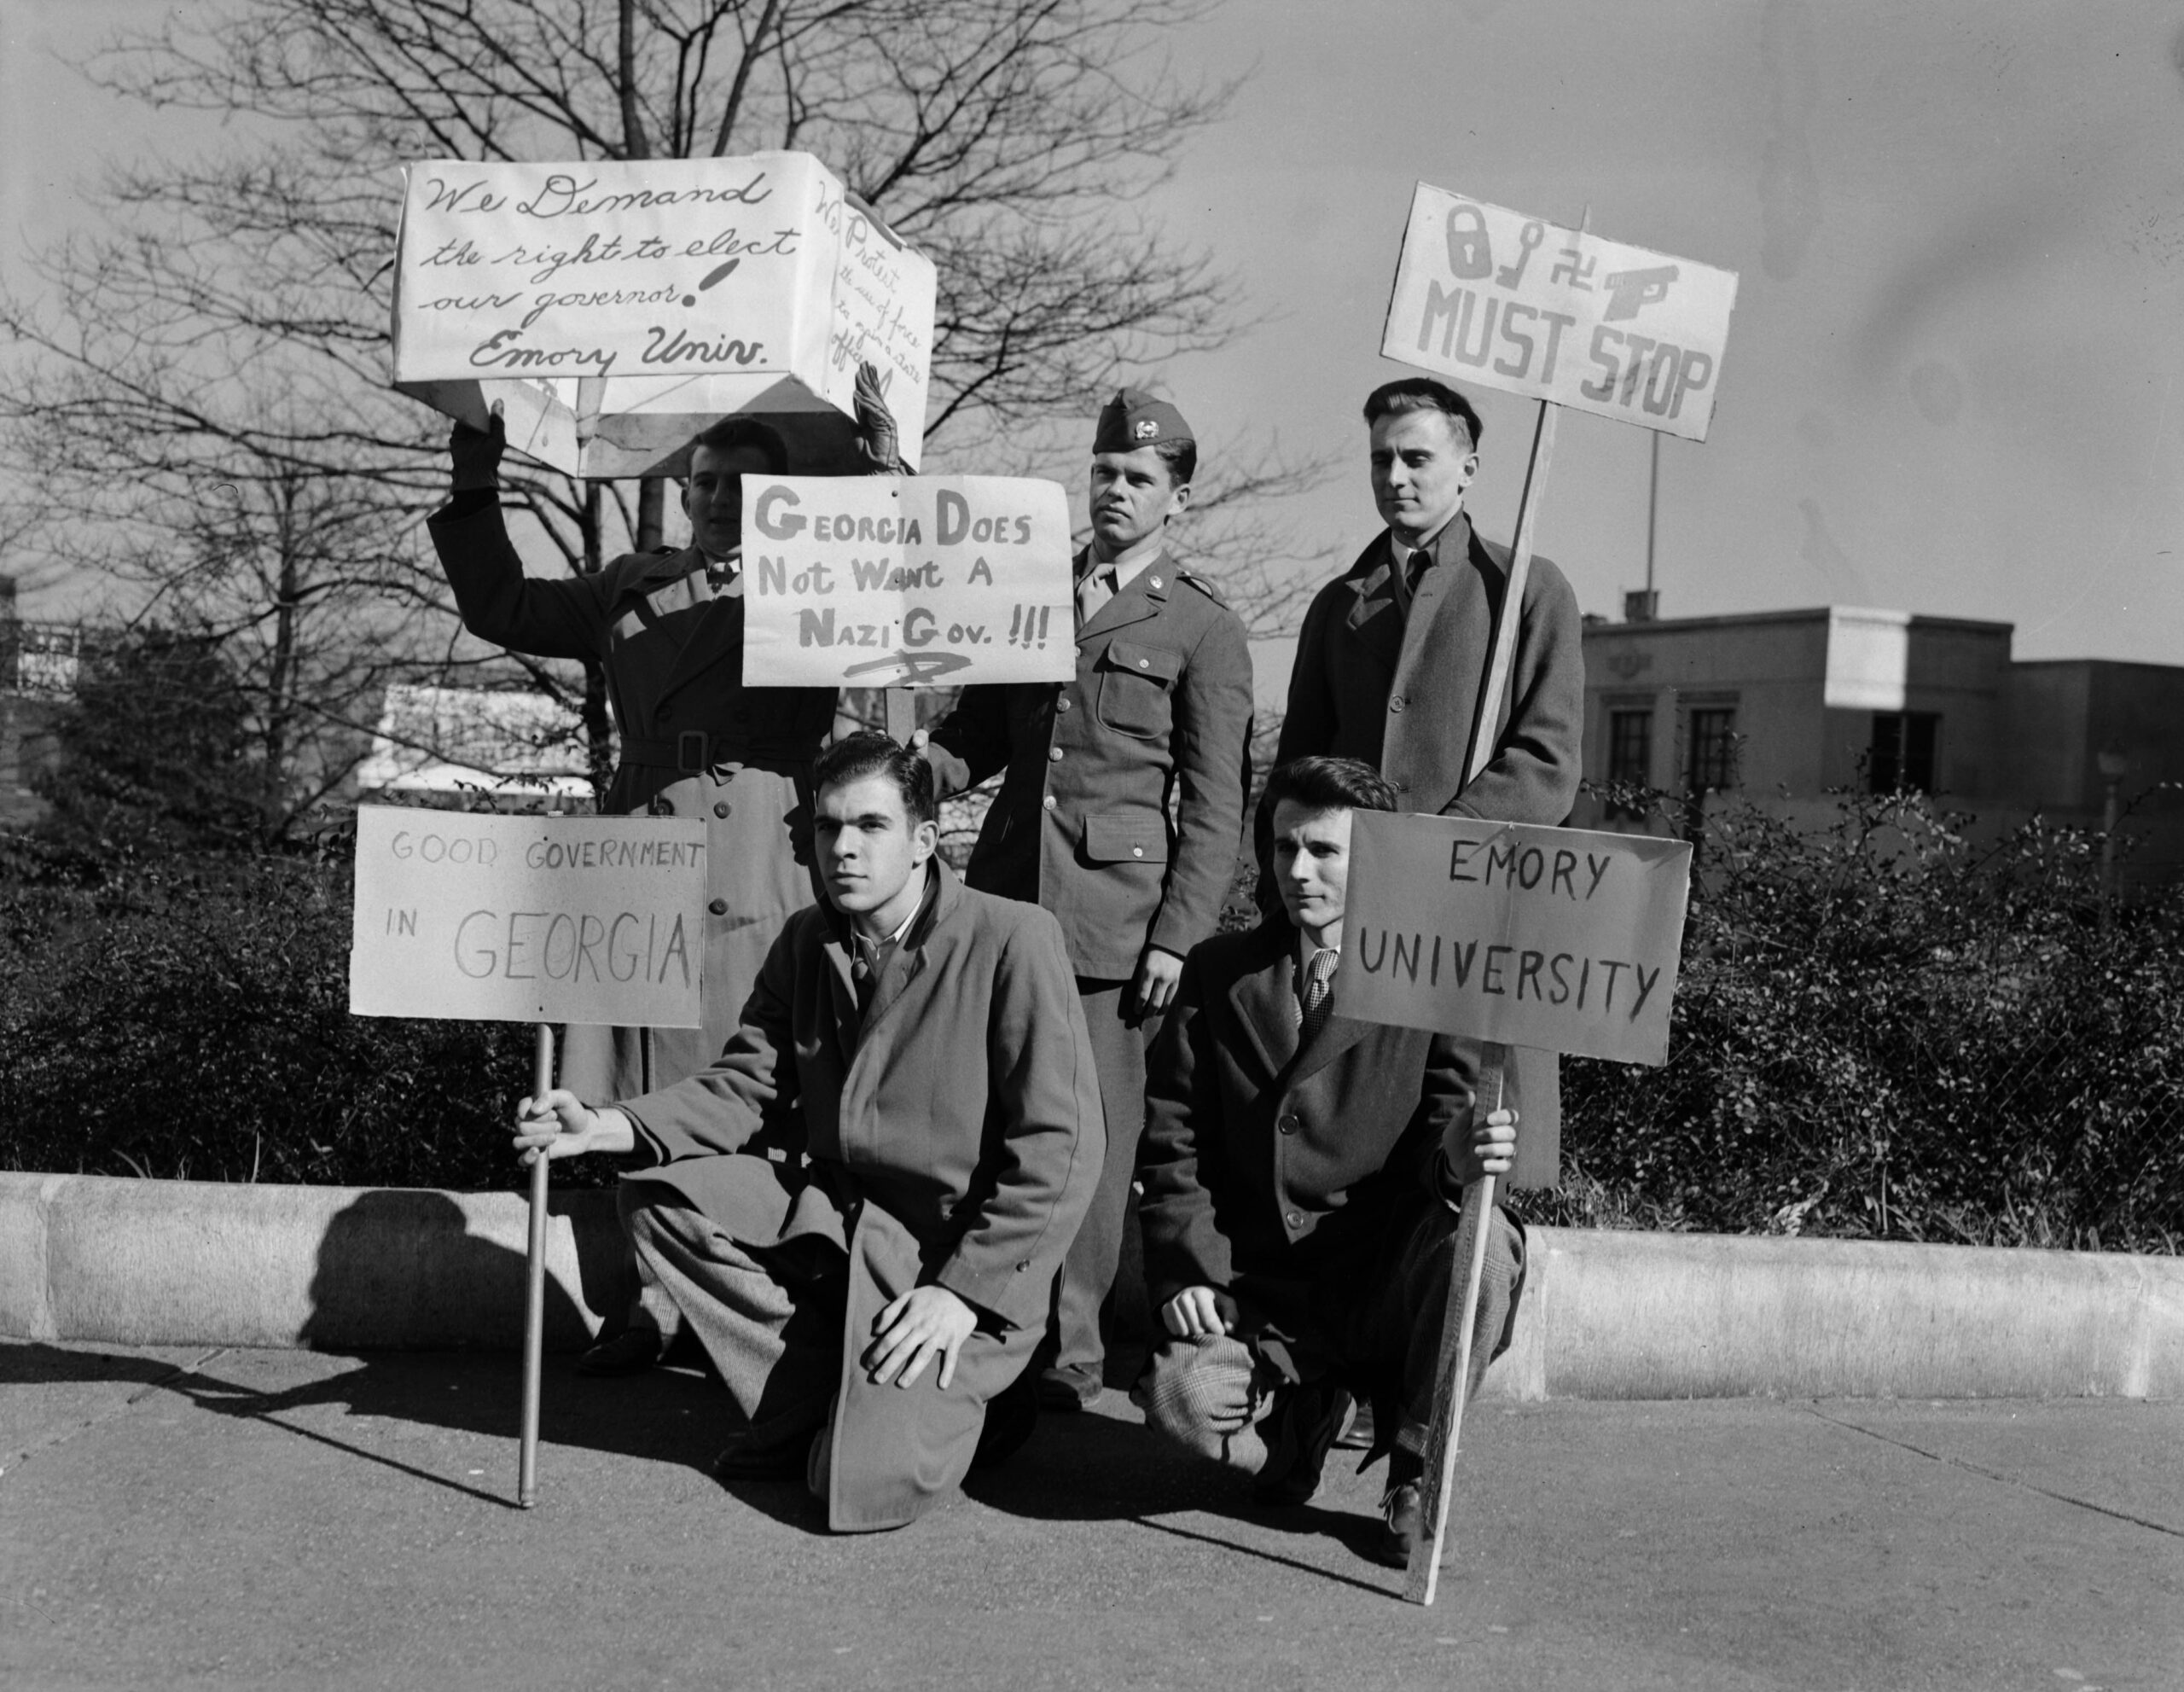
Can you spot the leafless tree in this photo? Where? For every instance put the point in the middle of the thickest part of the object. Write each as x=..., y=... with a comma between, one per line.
x=230, y=330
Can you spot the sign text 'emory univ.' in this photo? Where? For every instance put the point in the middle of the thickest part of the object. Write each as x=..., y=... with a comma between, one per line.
x=1487, y=295
x=528, y=919
x=888, y=581
x=1562, y=939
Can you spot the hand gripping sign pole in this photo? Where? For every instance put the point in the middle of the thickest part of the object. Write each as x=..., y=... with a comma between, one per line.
x=1473, y=1229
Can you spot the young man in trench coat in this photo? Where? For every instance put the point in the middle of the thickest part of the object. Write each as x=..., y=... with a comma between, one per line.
x=1391, y=660
x=913, y=1059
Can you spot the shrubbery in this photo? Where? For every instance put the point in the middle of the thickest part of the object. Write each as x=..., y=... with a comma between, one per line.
x=1886, y=1030
x=1882, y=1031
x=187, y=1016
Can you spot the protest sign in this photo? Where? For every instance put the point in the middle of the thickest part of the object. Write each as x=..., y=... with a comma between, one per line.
x=615, y=308
x=1561, y=939
x=528, y=919
x=1487, y=295
x=889, y=581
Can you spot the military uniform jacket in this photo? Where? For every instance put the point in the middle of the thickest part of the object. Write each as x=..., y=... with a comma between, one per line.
x=956, y=1126
x=1268, y=1168
x=1159, y=711
x=695, y=742
x=1400, y=692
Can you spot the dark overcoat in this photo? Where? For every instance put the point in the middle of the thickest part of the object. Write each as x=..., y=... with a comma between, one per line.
x=1269, y=1167
x=1400, y=689
x=694, y=742
x=1122, y=803
x=952, y=1136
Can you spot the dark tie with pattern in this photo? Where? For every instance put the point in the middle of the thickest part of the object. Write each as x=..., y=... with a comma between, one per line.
x=1316, y=998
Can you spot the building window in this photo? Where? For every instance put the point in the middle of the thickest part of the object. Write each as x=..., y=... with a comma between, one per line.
x=1903, y=754
x=1630, y=747
x=1711, y=764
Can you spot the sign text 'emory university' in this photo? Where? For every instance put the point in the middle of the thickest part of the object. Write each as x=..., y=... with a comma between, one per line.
x=1562, y=939
x=890, y=582
x=1487, y=295
x=528, y=919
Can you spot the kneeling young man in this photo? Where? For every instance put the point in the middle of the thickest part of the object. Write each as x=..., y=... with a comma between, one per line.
x=913, y=1059
x=1303, y=1176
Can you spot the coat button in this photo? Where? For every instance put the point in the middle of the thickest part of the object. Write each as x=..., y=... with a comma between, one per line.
x=1400, y=787
x=1050, y=801
x=721, y=808
x=1153, y=581
x=1288, y=1124
x=1137, y=851
x=1397, y=702
x=1053, y=755
x=1293, y=1219
x=1145, y=664
x=663, y=807
x=718, y=907
x=1062, y=704
x=1022, y=1268
x=664, y=714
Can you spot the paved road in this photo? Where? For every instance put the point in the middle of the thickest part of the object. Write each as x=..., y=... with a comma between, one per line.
x=286, y=1519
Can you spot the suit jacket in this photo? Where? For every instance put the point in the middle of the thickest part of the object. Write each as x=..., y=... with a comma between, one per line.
x=694, y=743
x=1402, y=693
x=955, y=1126
x=1155, y=726
x=1266, y=1166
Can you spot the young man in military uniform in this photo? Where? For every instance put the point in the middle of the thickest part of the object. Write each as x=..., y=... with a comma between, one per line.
x=1120, y=809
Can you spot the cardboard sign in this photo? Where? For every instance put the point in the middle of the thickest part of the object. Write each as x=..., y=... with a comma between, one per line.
x=1558, y=939
x=528, y=919
x=1487, y=295
x=892, y=582
x=616, y=308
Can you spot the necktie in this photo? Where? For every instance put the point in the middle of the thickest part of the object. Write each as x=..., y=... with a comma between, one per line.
x=1317, y=998
x=1097, y=588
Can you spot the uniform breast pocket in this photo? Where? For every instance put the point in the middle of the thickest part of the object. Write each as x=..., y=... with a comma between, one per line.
x=1136, y=683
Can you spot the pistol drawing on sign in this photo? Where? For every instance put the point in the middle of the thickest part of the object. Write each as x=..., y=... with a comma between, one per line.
x=1634, y=289
x=1510, y=275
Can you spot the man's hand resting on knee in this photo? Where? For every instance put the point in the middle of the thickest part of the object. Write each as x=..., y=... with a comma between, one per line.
x=1193, y=1311
x=924, y=1322
x=562, y=1125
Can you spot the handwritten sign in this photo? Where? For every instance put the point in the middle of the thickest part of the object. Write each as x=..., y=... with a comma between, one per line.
x=1487, y=295
x=615, y=308
x=883, y=581
x=1558, y=939
x=528, y=919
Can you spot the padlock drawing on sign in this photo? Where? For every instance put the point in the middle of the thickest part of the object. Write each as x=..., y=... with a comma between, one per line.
x=1470, y=255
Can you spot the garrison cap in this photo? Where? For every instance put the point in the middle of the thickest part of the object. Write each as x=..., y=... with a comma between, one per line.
x=1134, y=418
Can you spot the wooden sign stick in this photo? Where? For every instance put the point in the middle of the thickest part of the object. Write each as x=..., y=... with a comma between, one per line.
x=902, y=714
x=534, y=1322
x=1420, y=1578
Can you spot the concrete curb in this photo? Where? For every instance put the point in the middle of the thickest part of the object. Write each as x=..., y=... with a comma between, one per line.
x=1604, y=1315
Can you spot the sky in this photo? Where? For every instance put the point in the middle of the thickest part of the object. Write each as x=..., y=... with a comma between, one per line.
x=1952, y=384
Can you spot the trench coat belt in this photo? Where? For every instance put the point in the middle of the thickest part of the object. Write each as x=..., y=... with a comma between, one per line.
x=697, y=749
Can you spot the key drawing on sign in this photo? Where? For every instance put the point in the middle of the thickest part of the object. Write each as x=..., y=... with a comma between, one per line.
x=1510, y=275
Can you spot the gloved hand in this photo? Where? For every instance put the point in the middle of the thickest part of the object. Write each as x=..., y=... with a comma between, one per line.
x=477, y=453
x=875, y=423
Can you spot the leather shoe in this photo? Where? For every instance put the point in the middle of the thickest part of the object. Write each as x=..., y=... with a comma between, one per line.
x=785, y=1460
x=1069, y=1388
x=1403, y=1525
x=1306, y=1423
x=631, y=1351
